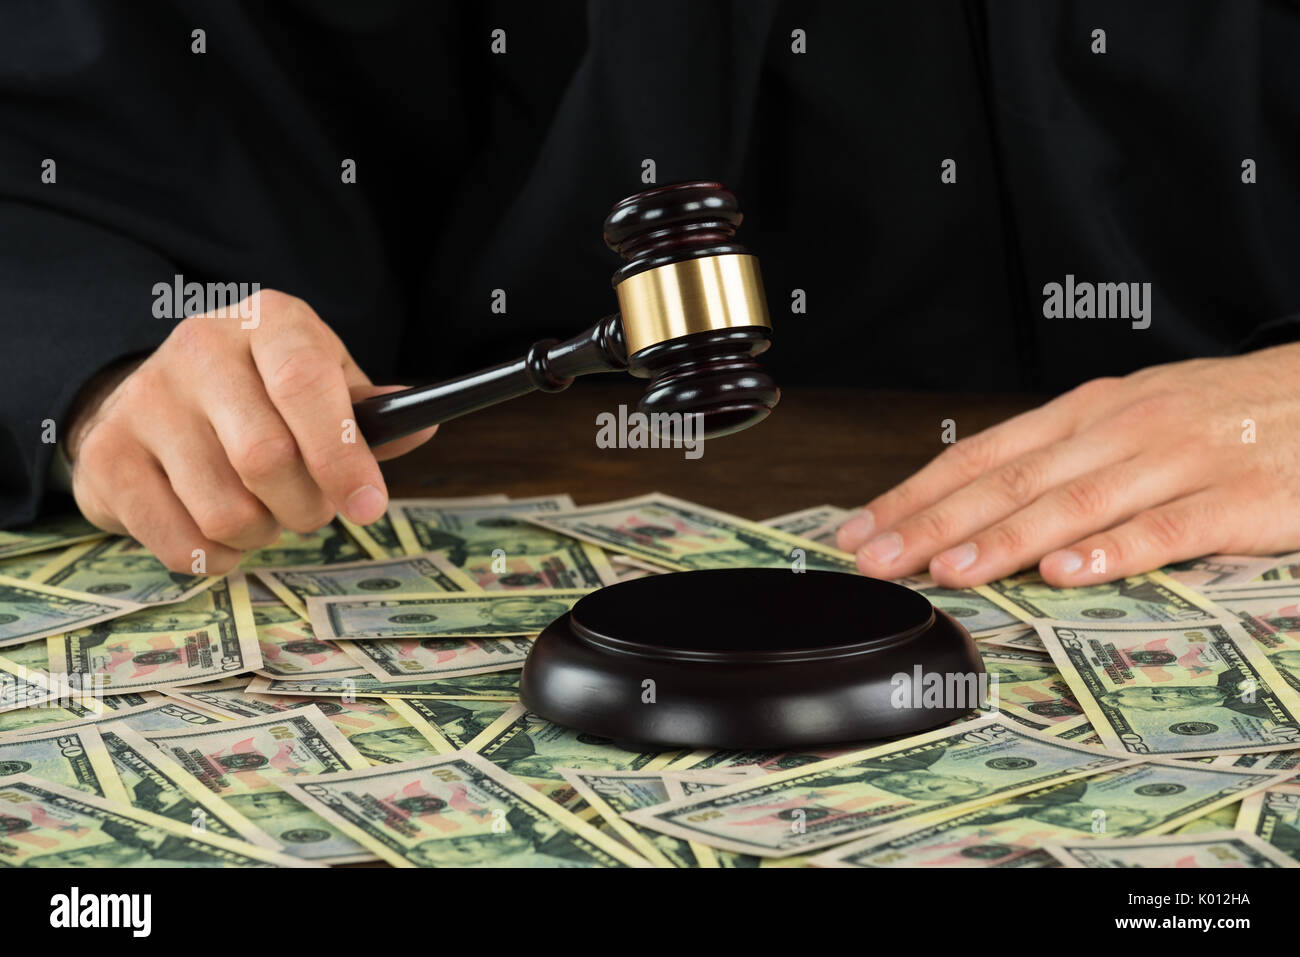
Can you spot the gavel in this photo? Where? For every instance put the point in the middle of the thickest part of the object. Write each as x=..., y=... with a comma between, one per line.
x=692, y=317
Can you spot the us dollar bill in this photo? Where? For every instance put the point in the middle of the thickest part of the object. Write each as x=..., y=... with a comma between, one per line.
x=29, y=610
x=74, y=757
x=63, y=827
x=534, y=749
x=161, y=714
x=614, y=793
x=458, y=721
x=45, y=534
x=417, y=574
x=23, y=567
x=976, y=613
x=325, y=546
x=21, y=689
x=378, y=539
x=1148, y=798
x=31, y=719
x=497, y=547
x=247, y=762
x=122, y=569
x=936, y=774
x=495, y=686
x=1220, y=819
x=1034, y=686
x=425, y=659
x=1211, y=849
x=441, y=616
x=206, y=636
x=1178, y=690
x=383, y=730
x=456, y=810
x=819, y=523
x=1153, y=598
x=1018, y=639
x=1272, y=617
x=290, y=648
x=680, y=535
x=684, y=784
x=1217, y=571
x=154, y=782
x=1273, y=815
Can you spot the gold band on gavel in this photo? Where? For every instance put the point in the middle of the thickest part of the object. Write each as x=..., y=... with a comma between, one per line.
x=694, y=295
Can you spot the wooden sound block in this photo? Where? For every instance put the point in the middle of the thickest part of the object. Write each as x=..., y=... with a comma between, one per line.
x=752, y=658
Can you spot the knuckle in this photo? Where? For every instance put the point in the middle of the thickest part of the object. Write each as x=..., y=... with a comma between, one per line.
x=970, y=457
x=1009, y=538
x=1083, y=498
x=1020, y=481
x=1151, y=409
x=265, y=456
x=232, y=519
x=298, y=375
x=1167, y=528
x=933, y=525
x=1095, y=389
x=309, y=516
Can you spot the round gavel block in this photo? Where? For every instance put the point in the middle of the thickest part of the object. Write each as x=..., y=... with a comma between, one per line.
x=752, y=658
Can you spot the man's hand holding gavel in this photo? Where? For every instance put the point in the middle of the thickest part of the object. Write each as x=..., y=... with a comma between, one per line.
x=225, y=435
x=1114, y=478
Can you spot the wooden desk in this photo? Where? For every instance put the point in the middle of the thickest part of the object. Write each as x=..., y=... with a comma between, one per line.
x=841, y=446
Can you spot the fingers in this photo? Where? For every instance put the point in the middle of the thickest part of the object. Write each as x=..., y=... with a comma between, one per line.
x=391, y=450
x=222, y=508
x=121, y=488
x=262, y=451
x=954, y=468
x=1171, y=532
x=1084, y=504
x=997, y=494
x=303, y=370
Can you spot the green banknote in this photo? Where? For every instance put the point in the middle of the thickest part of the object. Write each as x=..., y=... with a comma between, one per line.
x=24, y=567
x=1273, y=815
x=29, y=610
x=497, y=547
x=1220, y=819
x=496, y=686
x=378, y=540
x=52, y=532
x=417, y=574
x=441, y=616
x=325, y=546
x=818, y=524
x=456, y=810
x=1153, y=598
x=921, y=778
x=1272, y=617
x=290, y=649
x=684, y=784
x=1266, y=761
x=682, y=536
x=1023, y=638
x=43, y=716
x=206, y=636
x=246, y=762
x=1148, y=798
x=1218, y=571
x=1209, y=849
x=1033, y=686
x=460, y=721
x=614, y=793
x=534, y=749
x=977, y=613
x=48, y=825
x=428, y=659
x=154, y=782
x=21, y=688
x=74, y=757
x=1180, y=690
x=121, y=569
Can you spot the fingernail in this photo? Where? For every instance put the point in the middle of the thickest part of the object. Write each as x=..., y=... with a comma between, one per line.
x=365, y=505
x=1069, y=562
x=885, y=548
x=855, y=531
x=961, y=557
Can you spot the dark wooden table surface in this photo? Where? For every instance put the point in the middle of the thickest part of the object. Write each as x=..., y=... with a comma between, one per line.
x=841, y=446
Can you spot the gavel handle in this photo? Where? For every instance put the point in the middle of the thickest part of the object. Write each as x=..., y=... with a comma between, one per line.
x=549, y=366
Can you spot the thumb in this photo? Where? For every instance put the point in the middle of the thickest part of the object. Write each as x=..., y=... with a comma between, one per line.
x=391, y=450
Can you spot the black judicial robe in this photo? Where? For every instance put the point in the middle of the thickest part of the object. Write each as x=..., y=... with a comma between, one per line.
x=479, y=171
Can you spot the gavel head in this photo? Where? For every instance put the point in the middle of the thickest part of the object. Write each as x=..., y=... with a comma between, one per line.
x=693, y=310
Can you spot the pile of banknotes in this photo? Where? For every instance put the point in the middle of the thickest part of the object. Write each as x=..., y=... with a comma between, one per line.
x=351, y=696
